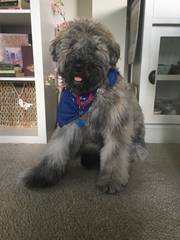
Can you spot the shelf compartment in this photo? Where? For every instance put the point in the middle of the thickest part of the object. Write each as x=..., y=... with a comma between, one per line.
x=15, y=17
x=18, y=104
x=169, y=56
x=167, y=98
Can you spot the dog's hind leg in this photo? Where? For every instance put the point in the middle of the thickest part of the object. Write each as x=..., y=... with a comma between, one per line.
x=138, y=147
x=64, y=144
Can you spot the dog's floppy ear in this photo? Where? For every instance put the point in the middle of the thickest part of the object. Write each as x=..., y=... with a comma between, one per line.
x=109, y=40
x=114, y=52
x=54, y=48
x=56, y=43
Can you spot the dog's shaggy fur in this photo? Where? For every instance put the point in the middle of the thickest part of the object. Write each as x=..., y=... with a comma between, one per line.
x=114, y=120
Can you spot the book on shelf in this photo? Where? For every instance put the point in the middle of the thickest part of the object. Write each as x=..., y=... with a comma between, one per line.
x=7, y=70
x=15, y=4
x=5, y=66
x=9, y=4
x=27, y=57
x=8, y=1
x=10, y=70
x=7, y=74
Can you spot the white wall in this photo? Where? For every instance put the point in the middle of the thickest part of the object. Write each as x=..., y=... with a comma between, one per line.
x=84, y=8
x=113, y=15
x=70, y=8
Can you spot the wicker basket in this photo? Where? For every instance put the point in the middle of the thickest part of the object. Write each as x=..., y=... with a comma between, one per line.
x=11, y=113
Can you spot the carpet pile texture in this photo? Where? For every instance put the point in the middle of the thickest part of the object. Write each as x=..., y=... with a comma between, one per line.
x=148, y=209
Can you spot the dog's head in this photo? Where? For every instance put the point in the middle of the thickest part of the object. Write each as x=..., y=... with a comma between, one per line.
x=84, y=52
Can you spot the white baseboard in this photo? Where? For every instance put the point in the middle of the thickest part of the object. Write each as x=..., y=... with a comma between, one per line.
x=162, y=133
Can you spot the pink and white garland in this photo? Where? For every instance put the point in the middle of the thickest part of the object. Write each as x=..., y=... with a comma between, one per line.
x=58, y=9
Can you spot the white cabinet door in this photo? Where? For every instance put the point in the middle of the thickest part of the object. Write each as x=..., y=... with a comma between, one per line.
x=166, y=9
x=163, y=105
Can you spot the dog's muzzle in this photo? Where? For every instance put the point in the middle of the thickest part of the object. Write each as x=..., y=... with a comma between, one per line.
x=78, y=76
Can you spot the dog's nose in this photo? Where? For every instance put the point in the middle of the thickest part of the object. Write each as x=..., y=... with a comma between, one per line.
x=78, y=66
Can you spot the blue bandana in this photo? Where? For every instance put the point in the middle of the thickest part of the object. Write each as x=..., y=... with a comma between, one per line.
x=69, y=109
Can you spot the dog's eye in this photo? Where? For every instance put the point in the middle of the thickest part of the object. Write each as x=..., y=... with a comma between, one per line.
x=72, y=43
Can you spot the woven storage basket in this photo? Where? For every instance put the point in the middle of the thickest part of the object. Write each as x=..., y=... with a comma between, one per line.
x=11, y=113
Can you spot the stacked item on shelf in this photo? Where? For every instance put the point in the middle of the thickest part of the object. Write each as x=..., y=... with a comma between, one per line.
x=7, y=70
x=27, y=58
x=14, y=4
x=16, y=51
x=6, y=4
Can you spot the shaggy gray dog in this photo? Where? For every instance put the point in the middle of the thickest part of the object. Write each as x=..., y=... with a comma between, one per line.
x=85, y=52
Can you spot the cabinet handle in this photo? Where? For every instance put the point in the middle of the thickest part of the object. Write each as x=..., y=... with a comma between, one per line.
x=152, y=77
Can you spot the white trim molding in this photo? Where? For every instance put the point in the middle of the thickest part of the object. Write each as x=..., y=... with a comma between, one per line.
x=162, y=133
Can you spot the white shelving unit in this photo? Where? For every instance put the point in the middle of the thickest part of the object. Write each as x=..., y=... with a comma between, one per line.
x=39, y=19
x=156, y=69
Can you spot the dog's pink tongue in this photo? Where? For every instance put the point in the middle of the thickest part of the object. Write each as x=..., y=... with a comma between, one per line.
x=77, y=79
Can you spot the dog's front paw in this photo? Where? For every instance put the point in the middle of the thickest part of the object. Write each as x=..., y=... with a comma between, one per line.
x=109, y=185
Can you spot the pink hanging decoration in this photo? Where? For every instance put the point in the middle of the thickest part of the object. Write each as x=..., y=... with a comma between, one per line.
x=57, y=7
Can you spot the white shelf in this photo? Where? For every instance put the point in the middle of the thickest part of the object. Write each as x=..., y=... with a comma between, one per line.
x=20, y=135
x=18, y=131
x=165, y=21
x=19, y=79
x=168, y=77
x=15, y=11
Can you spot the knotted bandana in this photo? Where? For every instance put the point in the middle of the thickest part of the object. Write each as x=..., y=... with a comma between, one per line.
x=71, y=108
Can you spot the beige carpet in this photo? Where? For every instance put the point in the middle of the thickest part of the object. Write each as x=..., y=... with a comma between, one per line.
x=149, y=209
